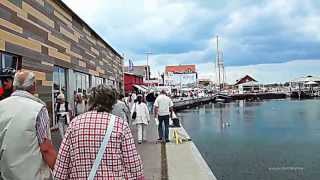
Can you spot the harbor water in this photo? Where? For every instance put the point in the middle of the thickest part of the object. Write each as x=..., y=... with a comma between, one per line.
x=275, y=139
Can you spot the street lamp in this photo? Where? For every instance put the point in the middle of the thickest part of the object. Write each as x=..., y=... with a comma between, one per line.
x=148, y=70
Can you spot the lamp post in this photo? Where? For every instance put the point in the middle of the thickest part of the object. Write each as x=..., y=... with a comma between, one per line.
x=148, y=70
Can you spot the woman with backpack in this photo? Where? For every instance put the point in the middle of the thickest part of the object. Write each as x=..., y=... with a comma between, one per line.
x=140, y=118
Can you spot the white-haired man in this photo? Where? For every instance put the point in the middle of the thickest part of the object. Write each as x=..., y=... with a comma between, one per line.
x=163, y=110
x=26, y=148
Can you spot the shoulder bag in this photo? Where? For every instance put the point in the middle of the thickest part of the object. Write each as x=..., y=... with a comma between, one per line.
x=134, y=114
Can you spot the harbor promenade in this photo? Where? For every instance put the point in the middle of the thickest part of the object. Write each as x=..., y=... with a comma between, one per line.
x=166, y=160
x=170, y=160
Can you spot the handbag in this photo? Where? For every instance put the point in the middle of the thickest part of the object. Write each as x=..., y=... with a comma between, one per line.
x=134, y=114
x=102, y=148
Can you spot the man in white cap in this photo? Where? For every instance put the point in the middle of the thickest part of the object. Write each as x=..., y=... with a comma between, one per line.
x=63, y=114
x=26, y=151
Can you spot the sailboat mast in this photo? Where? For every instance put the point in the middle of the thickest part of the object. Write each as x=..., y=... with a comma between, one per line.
x=223, y=72
x=218, y=63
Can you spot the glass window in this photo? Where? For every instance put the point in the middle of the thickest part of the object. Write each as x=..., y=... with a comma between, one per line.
x=78, y=82
x=82, y=81
x=8, y=61
x=56, y=79
x=95, y=81
x=87, y=82
x=8, y=64
x=99, y=80
x=59, y=80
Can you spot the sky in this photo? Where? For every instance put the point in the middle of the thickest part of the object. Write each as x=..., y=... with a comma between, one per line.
x=271, y=40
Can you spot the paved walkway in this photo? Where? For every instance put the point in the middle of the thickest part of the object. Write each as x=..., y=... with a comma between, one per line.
x=150, y=152
x=166, y=161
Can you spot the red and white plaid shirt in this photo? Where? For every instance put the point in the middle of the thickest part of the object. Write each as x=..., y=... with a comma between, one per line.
x=80, y=147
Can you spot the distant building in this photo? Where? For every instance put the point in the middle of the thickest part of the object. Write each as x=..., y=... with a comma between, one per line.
x=152, y=82
x=143, y=71
x=307, y=79
x=132, y=80
x=305, y=83
x=204, y=82
x=181, y=75
x=247, y=84
x=245, y=79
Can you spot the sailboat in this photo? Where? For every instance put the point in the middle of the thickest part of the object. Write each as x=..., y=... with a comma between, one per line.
x=221, y=75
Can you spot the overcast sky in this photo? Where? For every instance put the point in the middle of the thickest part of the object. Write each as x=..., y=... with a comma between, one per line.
x=272, y=40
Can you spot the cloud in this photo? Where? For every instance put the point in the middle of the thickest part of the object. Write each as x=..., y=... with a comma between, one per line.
x=183, y=31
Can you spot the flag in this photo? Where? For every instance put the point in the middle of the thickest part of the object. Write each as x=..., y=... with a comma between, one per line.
x=130, y=65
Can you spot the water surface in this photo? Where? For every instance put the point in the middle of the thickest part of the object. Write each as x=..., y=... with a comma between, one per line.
x=276, y=139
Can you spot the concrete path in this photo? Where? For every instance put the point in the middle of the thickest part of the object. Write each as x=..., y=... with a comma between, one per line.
x=150, y=152
x=166, y=161
x=185, y=161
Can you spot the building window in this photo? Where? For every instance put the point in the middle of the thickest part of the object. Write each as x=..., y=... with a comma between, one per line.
x=95, y=81
x=9, y=61
x=82, y=82
x=59, y=86
x=59, y=80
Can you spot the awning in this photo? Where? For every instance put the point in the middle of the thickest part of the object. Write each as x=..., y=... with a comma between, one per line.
x=145, y=87
x=140, y=88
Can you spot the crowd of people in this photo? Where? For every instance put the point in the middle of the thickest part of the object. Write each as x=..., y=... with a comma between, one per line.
x=97, y=139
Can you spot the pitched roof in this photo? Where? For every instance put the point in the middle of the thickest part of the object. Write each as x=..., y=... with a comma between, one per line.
x=181, y=68
x=137, y=70
x=245, y=79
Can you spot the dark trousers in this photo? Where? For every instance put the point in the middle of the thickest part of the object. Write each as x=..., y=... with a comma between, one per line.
x=164, y=119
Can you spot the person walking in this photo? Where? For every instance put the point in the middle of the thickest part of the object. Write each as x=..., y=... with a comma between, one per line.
x=26, y=148
x=80, y=104
x=97, y=144
x=121, y=109
x=163, y=109
x=150, y=98
x=141, y=118
x=63, y=113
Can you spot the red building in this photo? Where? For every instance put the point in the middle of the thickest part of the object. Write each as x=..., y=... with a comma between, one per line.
x=130, y=80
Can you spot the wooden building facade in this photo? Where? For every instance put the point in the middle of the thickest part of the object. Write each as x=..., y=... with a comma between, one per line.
x=66, y=55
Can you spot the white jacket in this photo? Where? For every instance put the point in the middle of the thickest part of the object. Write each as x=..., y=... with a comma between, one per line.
x=143, y=116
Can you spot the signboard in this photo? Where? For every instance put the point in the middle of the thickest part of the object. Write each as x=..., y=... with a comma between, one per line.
x=181, y=79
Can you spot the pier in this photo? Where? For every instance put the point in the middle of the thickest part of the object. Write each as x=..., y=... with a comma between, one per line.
x=258, y=96
x=185, y=103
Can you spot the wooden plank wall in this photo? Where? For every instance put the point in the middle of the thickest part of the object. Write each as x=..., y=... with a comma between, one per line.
x=45, y=33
